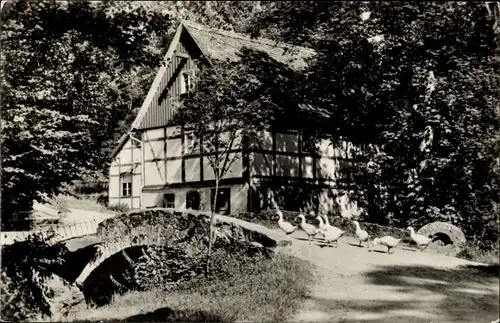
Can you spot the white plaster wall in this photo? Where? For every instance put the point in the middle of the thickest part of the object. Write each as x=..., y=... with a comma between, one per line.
x=136, y=203
x=154, y=134
x=127, y=144
x=114, y=186
x=174, y=171
x=287, y=165
x=286, y=142
x=261, y=164
x=154, y=150
x=125, y=156
x=262, y=140
x=155, y=173
x=307, y=167
x=192, y=169
x=238, y=197
x=174, y=147
x=136, y=185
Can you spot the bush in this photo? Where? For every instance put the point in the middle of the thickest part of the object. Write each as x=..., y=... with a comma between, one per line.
x=26, y=266
x=165, y=268
x=102, y=198
x=472, y=251
x=256, y=289
x=119, y=207
x=167, y=248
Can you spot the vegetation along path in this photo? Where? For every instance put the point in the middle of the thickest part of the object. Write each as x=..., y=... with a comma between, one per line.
x=357, y=285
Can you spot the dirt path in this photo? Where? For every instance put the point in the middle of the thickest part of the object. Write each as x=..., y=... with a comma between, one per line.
x=77, y=223
x=357, y=285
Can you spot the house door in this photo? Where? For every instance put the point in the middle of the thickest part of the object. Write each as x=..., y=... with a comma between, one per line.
x=223, y=201
x=193, y=200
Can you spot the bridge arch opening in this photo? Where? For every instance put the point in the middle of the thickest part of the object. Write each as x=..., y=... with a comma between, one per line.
x=140, y=267
x=112, y=276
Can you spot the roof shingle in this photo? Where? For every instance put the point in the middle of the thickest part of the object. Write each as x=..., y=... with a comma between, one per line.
x=224, y=45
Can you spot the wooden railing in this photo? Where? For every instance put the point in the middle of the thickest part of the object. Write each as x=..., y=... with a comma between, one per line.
x=63, y=232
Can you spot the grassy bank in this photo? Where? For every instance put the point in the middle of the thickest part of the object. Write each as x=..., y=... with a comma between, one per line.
x=266, y=290
x=474, y=253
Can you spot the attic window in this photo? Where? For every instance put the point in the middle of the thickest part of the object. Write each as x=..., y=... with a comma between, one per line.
x=186, y=81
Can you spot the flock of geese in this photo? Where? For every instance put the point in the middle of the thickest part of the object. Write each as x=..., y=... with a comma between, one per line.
x=331, y=234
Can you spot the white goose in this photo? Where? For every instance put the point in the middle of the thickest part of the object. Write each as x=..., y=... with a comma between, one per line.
x=310, y=229
x=333, y=234
x=327, y=223
x=287, y=227
x=388, y=241
x=322, y=224
x=330, y=233
x=362, y=235
x=420, y=240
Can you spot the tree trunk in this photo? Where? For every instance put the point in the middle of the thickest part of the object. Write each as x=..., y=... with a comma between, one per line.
x=212, y=224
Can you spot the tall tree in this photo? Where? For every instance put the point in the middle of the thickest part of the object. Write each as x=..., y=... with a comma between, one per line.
x=228, y=15
x=231, y=103
x=418, y=80
x=69, y=72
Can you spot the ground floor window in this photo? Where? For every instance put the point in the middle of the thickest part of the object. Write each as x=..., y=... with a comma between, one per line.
x=223, y=205
x=126, y=181
x=169, y=200
x=193, y=200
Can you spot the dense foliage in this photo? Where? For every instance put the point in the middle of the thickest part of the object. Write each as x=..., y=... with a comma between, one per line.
x=228, y=15
x=26, y=266
x=420, y=81
x=167, y=269
x=71, y=73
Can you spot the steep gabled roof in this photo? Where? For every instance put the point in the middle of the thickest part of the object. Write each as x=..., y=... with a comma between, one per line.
x=220, y=45
x=224, y=45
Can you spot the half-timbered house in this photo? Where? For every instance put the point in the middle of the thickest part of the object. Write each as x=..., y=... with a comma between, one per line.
x=153, y=166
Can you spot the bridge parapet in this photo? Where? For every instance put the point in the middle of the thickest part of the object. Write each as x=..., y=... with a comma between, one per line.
x=188, y=229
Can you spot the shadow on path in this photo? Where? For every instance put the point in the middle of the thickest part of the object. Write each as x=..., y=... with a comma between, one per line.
x=420, y=294
x=356, y=245
x=167, y=314
x=377, y=251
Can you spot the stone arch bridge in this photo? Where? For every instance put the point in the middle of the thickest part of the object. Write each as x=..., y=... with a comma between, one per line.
x=188, y=229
